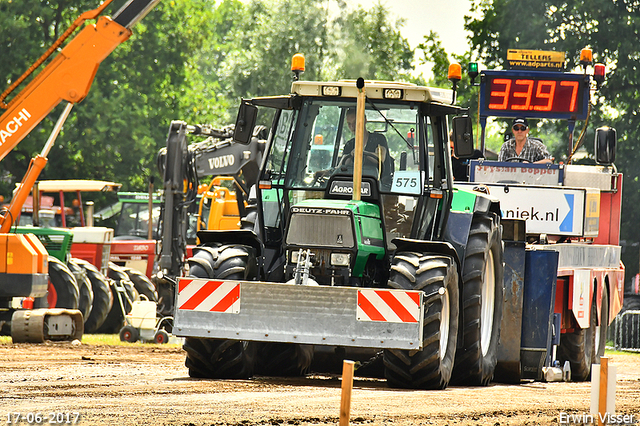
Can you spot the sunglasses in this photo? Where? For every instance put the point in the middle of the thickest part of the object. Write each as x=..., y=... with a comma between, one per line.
x=519, y=128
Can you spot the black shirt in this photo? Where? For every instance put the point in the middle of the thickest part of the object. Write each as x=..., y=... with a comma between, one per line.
x=373, y=141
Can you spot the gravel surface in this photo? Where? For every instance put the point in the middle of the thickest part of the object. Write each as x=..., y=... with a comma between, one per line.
x=147, y=384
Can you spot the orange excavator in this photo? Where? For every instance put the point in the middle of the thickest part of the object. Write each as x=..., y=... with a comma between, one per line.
x=67, y=77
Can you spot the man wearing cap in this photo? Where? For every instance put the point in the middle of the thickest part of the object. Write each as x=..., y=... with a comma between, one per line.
x=523, y=148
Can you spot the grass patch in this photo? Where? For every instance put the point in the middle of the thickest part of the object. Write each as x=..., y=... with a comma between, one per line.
x=614, y=352
x=103, y=340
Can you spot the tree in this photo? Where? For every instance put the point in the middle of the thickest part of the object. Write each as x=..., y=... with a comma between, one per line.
x=357, y=43
x=116, y=131
x=366, y=43
x=188, y=60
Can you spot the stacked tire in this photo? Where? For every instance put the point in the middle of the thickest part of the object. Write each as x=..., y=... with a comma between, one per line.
x=103, y=300
x=102, y=296
x=124, y=294
x=85, y=301
x=63, y=290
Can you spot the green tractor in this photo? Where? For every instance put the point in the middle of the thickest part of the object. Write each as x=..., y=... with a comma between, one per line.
x=376, y=258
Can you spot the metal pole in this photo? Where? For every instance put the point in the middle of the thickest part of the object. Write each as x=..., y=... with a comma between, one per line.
x=56, y=130
x=150, y=228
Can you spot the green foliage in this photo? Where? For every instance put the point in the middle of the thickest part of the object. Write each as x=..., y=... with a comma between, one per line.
x=189, y=60
x=366, y=44
x=115, y=133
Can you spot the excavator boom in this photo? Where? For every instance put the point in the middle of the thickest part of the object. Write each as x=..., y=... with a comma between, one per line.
x=67, y=77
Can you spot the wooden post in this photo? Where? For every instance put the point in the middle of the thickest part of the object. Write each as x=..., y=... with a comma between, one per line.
x=602, y=394
x=359, y=142
x=347, y=386
x=150, y=223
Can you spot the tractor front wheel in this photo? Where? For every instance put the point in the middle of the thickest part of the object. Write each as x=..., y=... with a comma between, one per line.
x=437, y=277
x=216, y=358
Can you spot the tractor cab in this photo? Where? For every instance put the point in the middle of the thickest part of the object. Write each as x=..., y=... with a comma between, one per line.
x=307, y=183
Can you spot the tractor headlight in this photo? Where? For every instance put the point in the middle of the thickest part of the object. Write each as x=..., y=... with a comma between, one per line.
x=331, y=90
x=340, y=259
x=294, y=256
x=392, y=93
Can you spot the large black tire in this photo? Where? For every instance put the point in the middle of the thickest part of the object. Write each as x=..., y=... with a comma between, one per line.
x=578, y=348
x=482, y=300
x=63, y=288
x=166, y=295
x=220, y=359
x=85, y=303
x=102, y=297
x=437, y=277
x=216, y=358
x=115, y=319
x=284, y=359
x=144, y=286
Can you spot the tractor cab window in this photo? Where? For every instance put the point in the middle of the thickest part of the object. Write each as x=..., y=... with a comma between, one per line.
x=325, y=142
x=276, y=167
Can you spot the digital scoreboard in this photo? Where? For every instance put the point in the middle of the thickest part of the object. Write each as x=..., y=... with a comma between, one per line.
x=534, y=94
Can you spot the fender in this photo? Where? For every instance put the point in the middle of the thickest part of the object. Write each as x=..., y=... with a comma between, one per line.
x=438, y=247
x=486, y=203
x=234, y=236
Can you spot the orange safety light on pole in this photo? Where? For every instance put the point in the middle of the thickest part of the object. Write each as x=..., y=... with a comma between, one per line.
x=455, y=75
x=297, y=65
x=586, y=57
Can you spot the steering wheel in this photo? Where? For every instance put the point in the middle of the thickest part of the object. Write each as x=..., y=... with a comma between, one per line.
x=320, y=178
x=517, y=159
x=369, y=156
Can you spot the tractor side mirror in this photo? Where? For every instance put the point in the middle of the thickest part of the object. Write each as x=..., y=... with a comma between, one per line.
x=605, y=145
x=245, y=123
x=463, y=136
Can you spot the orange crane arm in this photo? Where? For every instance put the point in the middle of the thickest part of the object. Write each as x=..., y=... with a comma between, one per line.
x=67, y=77
x=70, y=74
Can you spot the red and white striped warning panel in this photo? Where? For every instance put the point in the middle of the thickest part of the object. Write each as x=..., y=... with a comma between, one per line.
x=388, y=305
x=209, y=296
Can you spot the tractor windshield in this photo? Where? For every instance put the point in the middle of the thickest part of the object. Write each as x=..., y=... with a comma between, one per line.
x=324, y=145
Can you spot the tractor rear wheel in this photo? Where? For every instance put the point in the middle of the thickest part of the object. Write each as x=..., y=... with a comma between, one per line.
x=217, y=358
x=284, y=359
x=437, y=277
x=220, y=359
x=482, y=299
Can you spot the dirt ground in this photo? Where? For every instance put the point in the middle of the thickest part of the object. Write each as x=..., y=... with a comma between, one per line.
x=146, y=384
